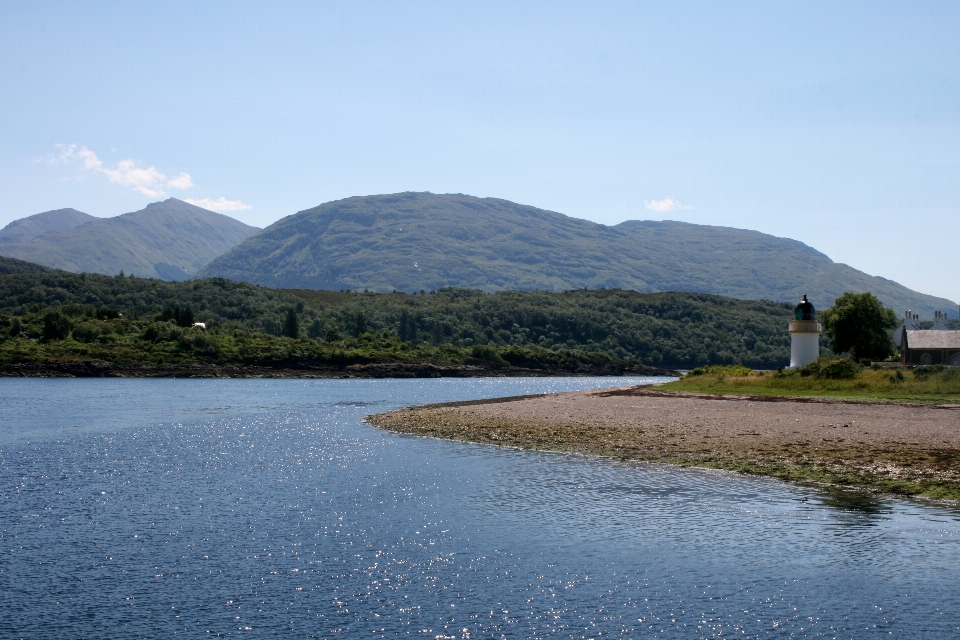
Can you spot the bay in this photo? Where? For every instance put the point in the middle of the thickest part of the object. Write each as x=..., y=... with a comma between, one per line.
x=265, y=508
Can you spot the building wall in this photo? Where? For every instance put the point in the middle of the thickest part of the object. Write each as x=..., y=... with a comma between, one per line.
x=935, y=356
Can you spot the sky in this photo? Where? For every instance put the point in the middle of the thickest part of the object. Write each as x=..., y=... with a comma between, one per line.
x=834, y=123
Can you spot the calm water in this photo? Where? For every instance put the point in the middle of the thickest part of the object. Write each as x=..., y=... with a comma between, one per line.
x=153, y=508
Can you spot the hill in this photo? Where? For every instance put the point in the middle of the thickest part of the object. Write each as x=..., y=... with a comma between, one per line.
x=170, y=240
x=422, y=241
x=659, y=329
x=12, y=265
x=26, y=229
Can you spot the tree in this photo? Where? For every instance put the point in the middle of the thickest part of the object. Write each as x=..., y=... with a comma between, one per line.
x=361, y=327
x=291, y=326
x=860, y=325
x=315, y=330
x=408, y=327
x=183, y=316
x=56, y=326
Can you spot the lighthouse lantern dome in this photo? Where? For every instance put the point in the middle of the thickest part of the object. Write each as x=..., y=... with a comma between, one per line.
x=804, y=310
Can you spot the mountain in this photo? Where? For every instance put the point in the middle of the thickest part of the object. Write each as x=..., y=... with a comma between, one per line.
x=26, y=229
x=414, y=241
x=170, y=240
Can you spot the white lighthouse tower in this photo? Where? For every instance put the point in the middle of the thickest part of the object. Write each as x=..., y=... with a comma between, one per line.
x=804, y=335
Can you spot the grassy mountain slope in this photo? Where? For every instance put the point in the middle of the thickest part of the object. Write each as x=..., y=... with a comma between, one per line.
x=26, y=229
x=660, y=329
x=170, y=240
x=414, y=241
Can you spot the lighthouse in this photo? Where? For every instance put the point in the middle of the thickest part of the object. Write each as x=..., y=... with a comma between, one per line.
x=804, y=335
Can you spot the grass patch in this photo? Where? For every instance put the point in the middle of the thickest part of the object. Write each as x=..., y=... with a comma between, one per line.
x=834, y=378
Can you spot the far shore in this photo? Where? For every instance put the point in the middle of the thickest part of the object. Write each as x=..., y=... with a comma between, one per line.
x=904, y=449
x=375, y=370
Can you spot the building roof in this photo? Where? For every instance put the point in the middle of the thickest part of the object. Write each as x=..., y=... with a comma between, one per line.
x=933, y=339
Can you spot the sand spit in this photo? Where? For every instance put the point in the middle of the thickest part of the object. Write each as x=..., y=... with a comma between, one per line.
x=895, y=448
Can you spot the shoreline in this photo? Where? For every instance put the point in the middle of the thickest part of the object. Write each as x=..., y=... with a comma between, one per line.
x=388, y=370
x=908, y=450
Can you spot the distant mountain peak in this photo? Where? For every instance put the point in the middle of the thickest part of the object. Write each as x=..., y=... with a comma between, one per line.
x=170, y=239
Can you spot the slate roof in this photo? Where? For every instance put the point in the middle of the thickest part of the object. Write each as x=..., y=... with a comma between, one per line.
x=933, y=339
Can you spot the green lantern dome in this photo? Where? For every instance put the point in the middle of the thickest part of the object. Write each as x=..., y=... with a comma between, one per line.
x=804, y=310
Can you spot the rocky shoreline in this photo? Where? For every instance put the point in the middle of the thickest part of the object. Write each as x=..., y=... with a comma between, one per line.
x=293, y=370
x=910, y=450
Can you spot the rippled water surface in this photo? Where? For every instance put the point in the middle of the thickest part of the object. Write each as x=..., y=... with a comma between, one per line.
x=153, y=508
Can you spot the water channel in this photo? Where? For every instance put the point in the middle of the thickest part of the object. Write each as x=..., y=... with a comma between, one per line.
x=267, y=508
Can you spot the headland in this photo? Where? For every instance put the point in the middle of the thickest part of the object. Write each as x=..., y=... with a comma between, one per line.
x=906, y=449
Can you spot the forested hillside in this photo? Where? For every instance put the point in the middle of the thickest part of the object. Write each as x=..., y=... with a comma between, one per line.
x=663, y=329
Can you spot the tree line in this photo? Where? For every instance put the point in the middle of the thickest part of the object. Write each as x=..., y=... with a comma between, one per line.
x=672, y=329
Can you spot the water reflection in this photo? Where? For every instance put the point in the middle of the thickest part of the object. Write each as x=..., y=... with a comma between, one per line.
x=285, y=515
x=854, y=508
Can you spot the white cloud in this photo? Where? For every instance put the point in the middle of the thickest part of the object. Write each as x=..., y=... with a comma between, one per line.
x=182, y=181
x=667, y=204
x=149, y=181
x=220, y=204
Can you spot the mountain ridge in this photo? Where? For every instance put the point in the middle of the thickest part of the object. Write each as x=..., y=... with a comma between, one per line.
x=412, y=241
x=171, y=240
x=26, y=229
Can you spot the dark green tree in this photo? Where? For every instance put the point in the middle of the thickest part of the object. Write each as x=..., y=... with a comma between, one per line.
x=183, y=316
x=56, y=326
x=107, y=313
x=291, y=325
x=361, y=327
x=315, y=330
x=860, y=325
x=408, y=328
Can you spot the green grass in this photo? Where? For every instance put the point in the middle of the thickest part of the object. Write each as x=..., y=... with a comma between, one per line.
x=926, y=385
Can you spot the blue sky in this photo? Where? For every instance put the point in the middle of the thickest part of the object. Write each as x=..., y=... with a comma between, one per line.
x=837, y=124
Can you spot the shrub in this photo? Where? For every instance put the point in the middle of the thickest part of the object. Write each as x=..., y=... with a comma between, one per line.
x=831, y=369
x=107, y=313
x=157, y=332
x=56, y=326
x=86, y=332
x=736, y=370
x=924, y=371
x=488, y=354
x=199, y=344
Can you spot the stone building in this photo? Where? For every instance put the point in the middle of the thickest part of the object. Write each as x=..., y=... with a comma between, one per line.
x=931, y=346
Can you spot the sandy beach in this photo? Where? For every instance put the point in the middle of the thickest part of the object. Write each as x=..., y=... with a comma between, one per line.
x=896, y=448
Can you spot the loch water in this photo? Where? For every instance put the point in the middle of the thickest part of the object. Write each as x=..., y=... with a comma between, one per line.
x=267, y=508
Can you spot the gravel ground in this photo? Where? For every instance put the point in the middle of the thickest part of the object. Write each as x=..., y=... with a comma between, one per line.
x=897, y=448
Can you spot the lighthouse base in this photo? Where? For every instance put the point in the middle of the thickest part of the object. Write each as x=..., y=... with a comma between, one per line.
x=804, y=348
